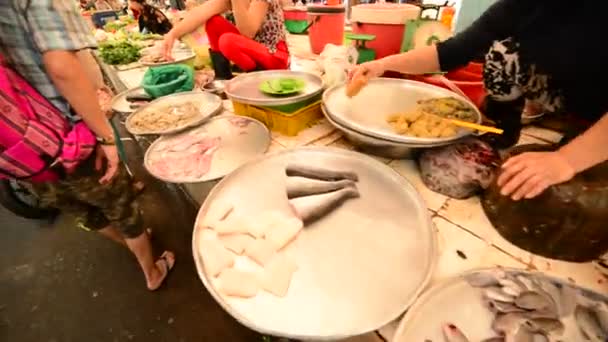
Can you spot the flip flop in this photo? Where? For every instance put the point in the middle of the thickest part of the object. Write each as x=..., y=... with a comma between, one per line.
x=167, y=267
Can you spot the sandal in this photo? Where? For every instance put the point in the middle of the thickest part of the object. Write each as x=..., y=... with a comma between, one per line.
x=166, y=264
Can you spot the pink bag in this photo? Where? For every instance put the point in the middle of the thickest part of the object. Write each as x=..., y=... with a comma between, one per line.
x=34, y=134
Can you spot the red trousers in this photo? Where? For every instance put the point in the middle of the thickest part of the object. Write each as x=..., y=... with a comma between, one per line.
x=246, y=53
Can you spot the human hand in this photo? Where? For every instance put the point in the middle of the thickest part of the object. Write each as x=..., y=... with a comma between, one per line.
x=109, y=153
x=529, y=174
x=168, y=42
x=367, y=70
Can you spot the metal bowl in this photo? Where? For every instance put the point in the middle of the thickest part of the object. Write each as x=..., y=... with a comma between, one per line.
x=377, y=146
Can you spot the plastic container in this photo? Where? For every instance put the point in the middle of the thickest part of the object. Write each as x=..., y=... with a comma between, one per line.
x=386, y=22
x=288, y=120
x=326, y=26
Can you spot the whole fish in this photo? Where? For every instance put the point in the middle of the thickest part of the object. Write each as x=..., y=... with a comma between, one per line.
x=300, y=186
x=481, y=279
x=532, y=300
x=496, y=293
x=588, y=324
x=545, y=325
x=520, y=335
x=312, y=208
x=601, y=311
x=509, y=323
x=319, y=173
x=503, y=307
x=453, y=334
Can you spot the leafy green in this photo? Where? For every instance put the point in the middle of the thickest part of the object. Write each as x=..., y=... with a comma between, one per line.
x=119, y=52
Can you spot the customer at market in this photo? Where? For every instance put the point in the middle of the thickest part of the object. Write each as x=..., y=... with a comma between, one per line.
x=256, y=42
x=40, y=42
x=541, y=51
x=150, y=18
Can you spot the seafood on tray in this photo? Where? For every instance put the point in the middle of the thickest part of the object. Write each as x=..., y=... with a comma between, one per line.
x=186, y=157
x=153, y=58
x=533, y=308
x=156, y=119
x=428, y=119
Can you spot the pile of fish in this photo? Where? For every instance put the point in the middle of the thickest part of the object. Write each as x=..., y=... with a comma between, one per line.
x=530, y=308
x=314, y=192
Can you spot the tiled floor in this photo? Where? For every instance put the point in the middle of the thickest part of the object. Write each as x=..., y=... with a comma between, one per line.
x=466, y=239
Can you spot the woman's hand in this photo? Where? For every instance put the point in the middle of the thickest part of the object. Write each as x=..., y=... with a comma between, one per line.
x=529, y=174
x=367, y=70
x=168, y=42
x=109, y=154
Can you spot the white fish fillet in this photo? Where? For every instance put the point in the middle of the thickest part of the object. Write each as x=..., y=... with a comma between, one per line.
x=216, y=258
x=236, y=242
x=277, y=275
x=282, y=234
x=236, y=283
x=260, y=251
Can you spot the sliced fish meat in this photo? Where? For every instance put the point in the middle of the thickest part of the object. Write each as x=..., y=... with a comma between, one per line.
x=319, y=173
x=312, y=208
x=301, y=186
x=453, y=334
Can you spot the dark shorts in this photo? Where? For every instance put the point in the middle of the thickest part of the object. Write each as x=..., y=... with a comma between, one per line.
x=96, y=205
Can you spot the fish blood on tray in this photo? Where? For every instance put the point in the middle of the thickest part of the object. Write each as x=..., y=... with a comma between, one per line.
x=312, y=193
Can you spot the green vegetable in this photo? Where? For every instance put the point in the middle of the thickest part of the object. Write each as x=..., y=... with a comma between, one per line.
x=121, y=52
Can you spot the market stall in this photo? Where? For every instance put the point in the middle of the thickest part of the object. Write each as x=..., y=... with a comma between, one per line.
x=369, y=238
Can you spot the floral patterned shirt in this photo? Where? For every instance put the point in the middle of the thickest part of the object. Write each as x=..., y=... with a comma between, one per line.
x=273, y=29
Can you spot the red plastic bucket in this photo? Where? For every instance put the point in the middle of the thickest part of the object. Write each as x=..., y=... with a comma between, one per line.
x=326, y=26
x=388, y=37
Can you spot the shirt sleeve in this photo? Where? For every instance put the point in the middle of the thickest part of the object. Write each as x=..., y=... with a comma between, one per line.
x=56, y=25
x=498, y=22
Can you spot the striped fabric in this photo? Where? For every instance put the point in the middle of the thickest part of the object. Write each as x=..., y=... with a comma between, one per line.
x=29, y=28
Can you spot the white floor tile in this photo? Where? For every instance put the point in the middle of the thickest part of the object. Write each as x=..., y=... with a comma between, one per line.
x=409, y=170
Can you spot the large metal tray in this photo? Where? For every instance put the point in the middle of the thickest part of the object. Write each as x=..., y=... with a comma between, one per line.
x=120, y=103
x=455, y=301
x=359, y=268
x=179, y=56
x=210, y=105
x=241, y=140
x=368, y=111
x=245, y=88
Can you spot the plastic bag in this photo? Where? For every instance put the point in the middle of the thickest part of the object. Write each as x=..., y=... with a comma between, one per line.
x=169, y=79
x=335, y=62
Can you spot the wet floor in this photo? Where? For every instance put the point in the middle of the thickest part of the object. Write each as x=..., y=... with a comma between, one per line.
x=59, y=283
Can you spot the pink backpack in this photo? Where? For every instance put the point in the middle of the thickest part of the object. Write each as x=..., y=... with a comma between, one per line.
x=34, y=134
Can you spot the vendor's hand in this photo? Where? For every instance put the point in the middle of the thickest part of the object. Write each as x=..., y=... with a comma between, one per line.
x=367, y=70
x=529, y=174
x=109, y=153
x=168, y=42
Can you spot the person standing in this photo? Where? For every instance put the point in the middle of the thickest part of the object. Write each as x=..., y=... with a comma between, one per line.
x=39, y=40
x=150, y=18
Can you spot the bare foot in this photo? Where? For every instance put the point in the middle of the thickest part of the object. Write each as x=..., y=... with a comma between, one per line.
x=163, y=266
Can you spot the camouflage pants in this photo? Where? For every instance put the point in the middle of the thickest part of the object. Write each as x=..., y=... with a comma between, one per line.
x=98, y=205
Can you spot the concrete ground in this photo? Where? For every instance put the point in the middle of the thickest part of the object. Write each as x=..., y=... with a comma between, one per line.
x=60, y=283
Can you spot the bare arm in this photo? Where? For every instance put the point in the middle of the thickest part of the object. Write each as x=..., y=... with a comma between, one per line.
x=418, y=61
x=66, y=72
x=249, y=15
x=199, y=16
x=588, y=149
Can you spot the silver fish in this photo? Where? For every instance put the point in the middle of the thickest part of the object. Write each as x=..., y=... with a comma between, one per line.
x=319, y=173
x=481, y=279
x=521, y=335
x=601, y=312
x=503, y=307
x=511, y=287
x=300, y=186
x=312, y=208
x=553, y=291
x=496, y=293
x=545, y=325
x=509, y=323
x=532, y=300
x=525, y=281
x=453, y=334
x=588, y=324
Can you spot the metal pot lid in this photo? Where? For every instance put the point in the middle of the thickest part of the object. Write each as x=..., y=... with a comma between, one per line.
x=455, y=301
x=120, y=103
x=245, y=88
x=368, y=111
x=208, y=105
x=224, y=144
x=359, y=268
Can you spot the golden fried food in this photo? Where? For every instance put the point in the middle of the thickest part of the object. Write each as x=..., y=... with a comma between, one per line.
x=355, y=85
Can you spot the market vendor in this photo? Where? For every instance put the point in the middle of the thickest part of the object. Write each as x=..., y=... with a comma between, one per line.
x=256, y=42
x=150, y=18
x=542, y=51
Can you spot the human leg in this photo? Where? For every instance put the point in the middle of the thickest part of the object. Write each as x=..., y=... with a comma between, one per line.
x=248, y=54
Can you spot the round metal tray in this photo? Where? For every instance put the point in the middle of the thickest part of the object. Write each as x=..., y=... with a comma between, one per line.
x=241, y=140
x=455, y=301
x=120, y=103
x=358, y=269
x=367, y=112
x=210, y=105
x=245, y=88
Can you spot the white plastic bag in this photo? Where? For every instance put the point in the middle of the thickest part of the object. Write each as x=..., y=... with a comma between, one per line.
x=336, y=61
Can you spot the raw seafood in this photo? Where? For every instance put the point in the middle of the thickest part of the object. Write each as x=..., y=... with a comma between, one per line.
x=153, y=58
x=319, y=173
x=185, y=157
x=169, y=117
x=280, y=235
x=233, y=224
x=215, y=257
x=236, y=242
x=236, y=283
x=460, y=170
x=312, y=208
x=566, y=222
x=531, y=300
x=589, y=325
x=300, y=186
x=261, y=251
x=277, y=275
x=453, y=334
